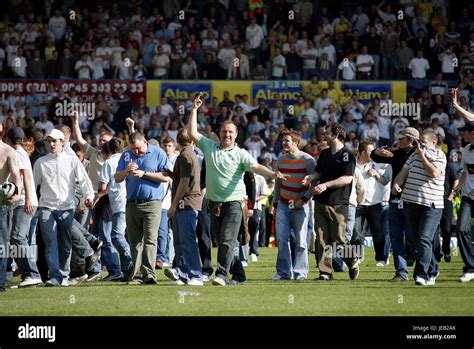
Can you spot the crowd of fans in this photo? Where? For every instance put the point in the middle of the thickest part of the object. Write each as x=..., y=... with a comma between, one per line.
x=237, y=40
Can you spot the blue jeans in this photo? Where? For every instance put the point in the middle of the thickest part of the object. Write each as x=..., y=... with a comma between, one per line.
x=188, y=263
x=424, y=222
x=56, y=231
x=4, y=220
x=120, y=243
x=108, y=252
x=19, y=237
x=386, y=231
x=463, y=231
x=288, y=219
x=162, y=252
x=400, y=237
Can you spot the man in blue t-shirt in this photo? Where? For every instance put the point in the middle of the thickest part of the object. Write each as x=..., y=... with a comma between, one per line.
x=141, y=166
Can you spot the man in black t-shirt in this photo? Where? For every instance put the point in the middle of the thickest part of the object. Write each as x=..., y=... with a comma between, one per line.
x=334, y=171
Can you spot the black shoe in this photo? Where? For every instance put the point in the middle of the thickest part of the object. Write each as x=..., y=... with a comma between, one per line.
x=97, y=245
x=91, y=262
x=149, y=281
x=93, y=277
x=126, y=275
x=116, y=278
x=438, y=258
x=447, y=258
x=398, y=278
x=324, y=277
x=410, y=262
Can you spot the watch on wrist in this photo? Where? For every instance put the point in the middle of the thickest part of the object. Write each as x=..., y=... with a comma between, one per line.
x=144, y=174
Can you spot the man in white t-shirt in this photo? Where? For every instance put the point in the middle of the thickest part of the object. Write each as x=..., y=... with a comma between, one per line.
x=83, y=67
x=279, y=70
x=44, y=124
x=161, y=63
x=57, y=25
x=254, y=34
x=124, y=68
x=105, y=53
x=23, y=211
x=364, y=64
x=419, y=66
x=97, y=66
x=348, y=68
x=310, y=56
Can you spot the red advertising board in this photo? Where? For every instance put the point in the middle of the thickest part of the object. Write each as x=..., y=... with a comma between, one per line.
x=85, y=89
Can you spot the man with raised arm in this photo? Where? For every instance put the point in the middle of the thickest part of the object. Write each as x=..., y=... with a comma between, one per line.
x=226, y=164
x=454, y=98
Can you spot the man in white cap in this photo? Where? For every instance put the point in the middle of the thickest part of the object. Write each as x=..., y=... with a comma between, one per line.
x=57, y=173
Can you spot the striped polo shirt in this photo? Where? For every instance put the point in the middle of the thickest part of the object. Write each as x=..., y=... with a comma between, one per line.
x=296, y=167
x=419, y=187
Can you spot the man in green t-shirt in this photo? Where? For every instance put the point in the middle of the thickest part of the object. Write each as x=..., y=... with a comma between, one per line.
x=226, y=164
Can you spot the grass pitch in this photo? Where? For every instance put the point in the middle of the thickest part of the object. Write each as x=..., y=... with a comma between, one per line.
x=370, y=295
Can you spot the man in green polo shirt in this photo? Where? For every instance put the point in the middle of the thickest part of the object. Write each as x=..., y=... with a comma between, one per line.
x=226, y=164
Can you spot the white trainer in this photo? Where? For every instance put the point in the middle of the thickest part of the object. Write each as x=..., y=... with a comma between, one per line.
x=30, y=281
x=195, y=282
x=466, y=277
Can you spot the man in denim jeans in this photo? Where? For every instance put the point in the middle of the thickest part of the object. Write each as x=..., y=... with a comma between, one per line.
x=292, y=209
x=423, y=175
x=117, y=195
x=226, y=164
x=8, y=172
x=23, y=212
x=57, y=173
x=183, y=212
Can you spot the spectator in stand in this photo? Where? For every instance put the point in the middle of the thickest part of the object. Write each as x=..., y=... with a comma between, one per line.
x=364, y=65
x=419, y=66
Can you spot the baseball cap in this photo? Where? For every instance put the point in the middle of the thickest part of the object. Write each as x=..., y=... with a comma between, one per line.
x=55, y=134
x=409, y=132
x=16, y=133
x=469, y=126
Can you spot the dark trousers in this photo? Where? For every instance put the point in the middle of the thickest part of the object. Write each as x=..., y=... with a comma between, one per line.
x=80, y=249
x=262, y=229
x=445, y=230
x=464, y=234
x=254, y=224
x=203, y=233
x=373, y=214
x=226, y=219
